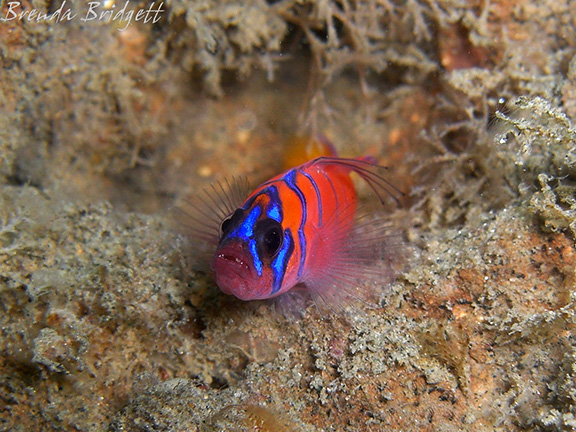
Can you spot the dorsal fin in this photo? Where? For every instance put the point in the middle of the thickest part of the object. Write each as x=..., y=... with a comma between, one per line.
x=370, y=172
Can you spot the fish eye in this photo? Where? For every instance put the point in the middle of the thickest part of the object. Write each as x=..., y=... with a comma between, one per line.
x=230, y=222
x=269, y=237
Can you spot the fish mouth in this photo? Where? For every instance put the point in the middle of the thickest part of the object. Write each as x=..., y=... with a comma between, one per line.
x=234, y=262
x=233, y=268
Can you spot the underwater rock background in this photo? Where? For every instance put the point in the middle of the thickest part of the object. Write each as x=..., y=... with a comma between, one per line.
x=104, y=324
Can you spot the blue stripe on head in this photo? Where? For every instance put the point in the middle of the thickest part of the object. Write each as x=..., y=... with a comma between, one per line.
x=245, y=232
x=290, y=179
x=255, y=256
x=274, y=207
x=280, y=262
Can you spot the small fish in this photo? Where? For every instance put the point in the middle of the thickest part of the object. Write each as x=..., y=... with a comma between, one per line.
x=299, y=231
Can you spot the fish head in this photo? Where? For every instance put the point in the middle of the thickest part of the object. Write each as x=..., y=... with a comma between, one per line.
x=252, y=256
